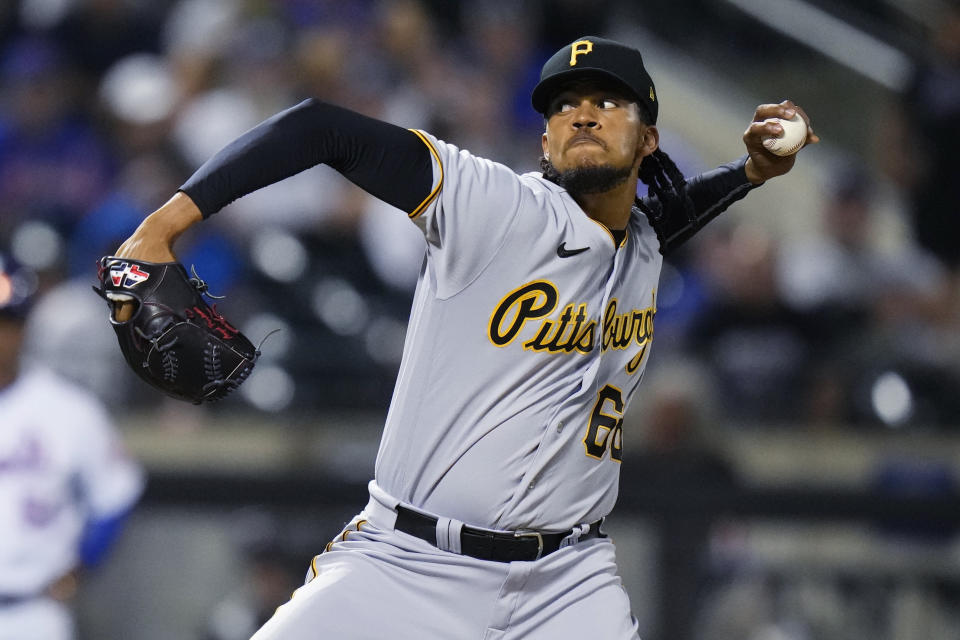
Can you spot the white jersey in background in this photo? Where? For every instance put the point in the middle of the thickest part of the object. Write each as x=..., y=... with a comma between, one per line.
x=61, y=464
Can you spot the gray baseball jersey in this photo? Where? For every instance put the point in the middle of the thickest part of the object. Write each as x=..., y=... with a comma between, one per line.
x=529, y=332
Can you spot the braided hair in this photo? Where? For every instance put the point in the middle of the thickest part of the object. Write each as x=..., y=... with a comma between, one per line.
x=664, y=181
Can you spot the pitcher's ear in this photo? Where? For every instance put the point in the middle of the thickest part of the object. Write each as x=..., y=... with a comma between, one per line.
x=651, y=140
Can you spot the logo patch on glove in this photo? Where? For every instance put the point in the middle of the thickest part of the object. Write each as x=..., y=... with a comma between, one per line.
x=127, y=275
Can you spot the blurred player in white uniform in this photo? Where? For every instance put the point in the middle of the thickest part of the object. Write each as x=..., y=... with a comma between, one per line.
x=66, y=484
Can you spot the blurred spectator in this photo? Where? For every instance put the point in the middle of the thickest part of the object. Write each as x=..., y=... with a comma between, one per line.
x=676, y=455
x=918, y=145
x=101, y=230
x=842, y=270
x=421, y=89
x=903, y=476
x=499, y=41
x=321, y=65
x=236, y=73
x=66, y=485
x=195, y=33
x=53, y=165
x=97, y=33
x=138, y=99
x=256, y=61
x=274, y=570
x=674, y=420
x=77, y=345
x=758, y=349
x=10, y=22
x=743, y=609
x=145, y=180
x=394, y=248
x=563, y=21
x=852, y=289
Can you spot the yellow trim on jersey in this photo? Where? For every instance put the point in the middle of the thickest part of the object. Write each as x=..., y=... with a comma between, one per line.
x=343, y=537
x=613, y=239
x=433, y=194
x=360, y=523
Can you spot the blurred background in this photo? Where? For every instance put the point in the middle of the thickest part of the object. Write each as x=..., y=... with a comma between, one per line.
x=791, y=463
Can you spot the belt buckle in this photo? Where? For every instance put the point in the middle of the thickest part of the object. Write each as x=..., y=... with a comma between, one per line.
x=532, y=534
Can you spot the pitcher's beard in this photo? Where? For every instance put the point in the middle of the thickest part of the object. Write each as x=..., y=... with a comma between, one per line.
x=585, y=180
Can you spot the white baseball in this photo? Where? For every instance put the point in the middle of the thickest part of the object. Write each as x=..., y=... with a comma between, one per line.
x=793, y=136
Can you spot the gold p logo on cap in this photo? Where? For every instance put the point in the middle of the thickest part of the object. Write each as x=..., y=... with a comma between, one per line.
x=579, y=48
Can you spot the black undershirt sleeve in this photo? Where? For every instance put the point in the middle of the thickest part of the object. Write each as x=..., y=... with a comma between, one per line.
x=711, y=192
x=387, y=161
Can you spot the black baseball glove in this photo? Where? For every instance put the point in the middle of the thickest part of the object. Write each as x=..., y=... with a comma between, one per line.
x=174, y=340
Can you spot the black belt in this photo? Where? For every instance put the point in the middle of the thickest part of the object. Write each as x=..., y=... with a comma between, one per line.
x=490, y=545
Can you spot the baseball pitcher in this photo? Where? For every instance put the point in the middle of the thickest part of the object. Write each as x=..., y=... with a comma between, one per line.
x=529, y=333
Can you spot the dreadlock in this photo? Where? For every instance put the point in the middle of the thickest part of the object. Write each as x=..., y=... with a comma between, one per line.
x=667, y=184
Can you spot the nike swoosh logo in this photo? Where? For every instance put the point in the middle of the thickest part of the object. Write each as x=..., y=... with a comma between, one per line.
x=563, y=252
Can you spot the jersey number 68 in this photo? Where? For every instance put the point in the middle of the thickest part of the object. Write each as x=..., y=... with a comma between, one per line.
x=606, y=428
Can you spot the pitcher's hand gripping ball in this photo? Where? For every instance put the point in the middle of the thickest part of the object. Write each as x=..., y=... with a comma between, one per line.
x=174, y=340
x=792, y=139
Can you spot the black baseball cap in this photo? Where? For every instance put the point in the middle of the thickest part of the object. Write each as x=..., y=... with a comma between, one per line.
x=595, y=56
